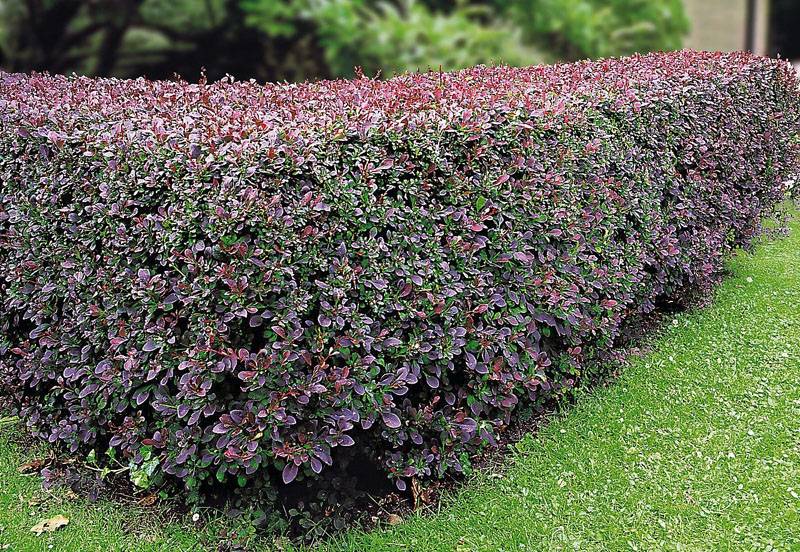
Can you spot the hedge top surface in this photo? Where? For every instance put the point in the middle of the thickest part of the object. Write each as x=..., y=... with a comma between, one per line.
x=231, y=117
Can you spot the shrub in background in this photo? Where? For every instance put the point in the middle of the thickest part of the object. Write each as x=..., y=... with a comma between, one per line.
x=389, y=39
x=575, y=29
x=311, y=39
x=274, y=288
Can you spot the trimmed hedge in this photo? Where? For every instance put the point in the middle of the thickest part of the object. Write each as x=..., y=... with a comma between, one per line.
x=233, y=284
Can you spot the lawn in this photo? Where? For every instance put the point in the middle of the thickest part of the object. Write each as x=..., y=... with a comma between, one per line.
x=695, y=447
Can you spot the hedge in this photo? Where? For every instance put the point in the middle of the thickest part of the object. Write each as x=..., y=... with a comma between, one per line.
x=285, y=288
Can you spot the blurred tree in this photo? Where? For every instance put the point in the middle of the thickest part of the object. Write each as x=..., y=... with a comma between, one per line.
x=155, y=38
x=389, y=38
x=413, y=37
x=576, y=29
x=303, y=39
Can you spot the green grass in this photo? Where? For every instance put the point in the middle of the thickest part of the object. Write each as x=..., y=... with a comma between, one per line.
x=100, y=526
x=695, y=447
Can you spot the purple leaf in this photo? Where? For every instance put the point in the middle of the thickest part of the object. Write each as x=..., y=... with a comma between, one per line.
x=150, y=345
x=256, y=321
x=391, y=420
x=470, y=360
x=289, y=473
x=88, y=390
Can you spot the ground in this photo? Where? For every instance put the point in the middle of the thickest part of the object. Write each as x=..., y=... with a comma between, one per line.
x=695, y=447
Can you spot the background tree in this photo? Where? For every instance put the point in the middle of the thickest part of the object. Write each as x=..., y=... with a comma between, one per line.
x=307, y=39
x=389, y=38
x=154, y=38
x=576, y=29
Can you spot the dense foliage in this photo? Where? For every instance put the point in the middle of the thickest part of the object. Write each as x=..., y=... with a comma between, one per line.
x=290, y=288
x=575, y=29
x=408, y=36
x=309, y=39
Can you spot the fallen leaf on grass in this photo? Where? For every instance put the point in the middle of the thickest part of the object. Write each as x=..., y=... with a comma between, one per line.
x=31, y=467
x=148, y=500
x=394, y=519
x=50, y=525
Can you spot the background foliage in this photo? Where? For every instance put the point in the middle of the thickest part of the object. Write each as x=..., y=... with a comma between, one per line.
x=576, y=29
x=308, y=39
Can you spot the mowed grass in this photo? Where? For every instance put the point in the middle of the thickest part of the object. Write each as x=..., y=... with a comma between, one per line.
x=92, y=527
x=695, y=447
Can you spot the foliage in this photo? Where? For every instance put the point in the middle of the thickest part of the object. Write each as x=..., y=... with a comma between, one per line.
x=393, y=38
x=690, y=383
x=578, y=29
x=266, y=39
x=157, y=38
x=703, y=418
x=280, y=291
x=309, y=39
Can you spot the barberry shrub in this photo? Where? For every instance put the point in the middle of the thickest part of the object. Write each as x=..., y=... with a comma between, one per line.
x=271, y=287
